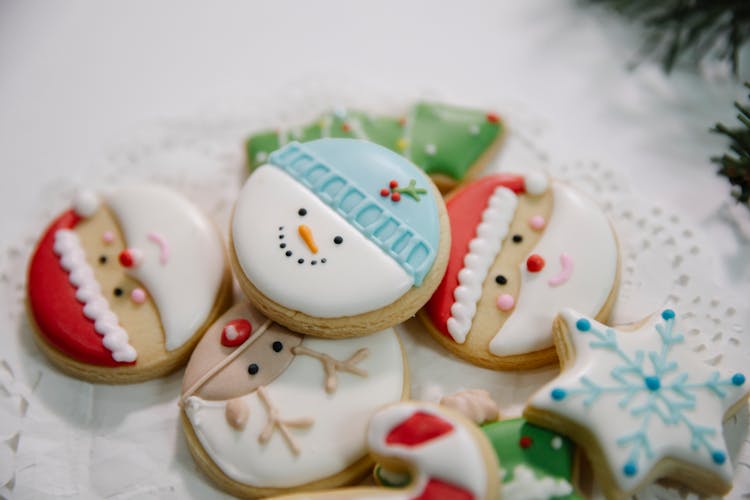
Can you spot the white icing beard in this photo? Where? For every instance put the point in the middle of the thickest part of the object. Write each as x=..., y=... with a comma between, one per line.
x=356, y=277
x=184, y=285
x=88, y=292
x=576, y=227
x=454, y=458
x=334, y=441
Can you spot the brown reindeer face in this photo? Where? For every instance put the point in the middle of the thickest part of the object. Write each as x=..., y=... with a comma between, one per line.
x=258, y=364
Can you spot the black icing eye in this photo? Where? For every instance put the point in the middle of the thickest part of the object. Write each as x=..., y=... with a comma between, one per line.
x=102, y=259
x=500, y=279
x=117, y=291
x=517, y=238
x=338, y=240
x=302, y=212
x=253, y=369
x=277, y=346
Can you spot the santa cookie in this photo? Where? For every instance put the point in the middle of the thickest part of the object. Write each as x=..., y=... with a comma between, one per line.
x=446, y=454
x=339, y=237
x=121, y=286
x=521, y=248
x=640, y=403
x=268, y=411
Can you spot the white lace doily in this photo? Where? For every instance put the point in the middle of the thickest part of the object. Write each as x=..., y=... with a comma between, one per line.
x=60, y=437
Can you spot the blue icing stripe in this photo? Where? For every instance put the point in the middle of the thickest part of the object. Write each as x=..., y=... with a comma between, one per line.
x=348, y=175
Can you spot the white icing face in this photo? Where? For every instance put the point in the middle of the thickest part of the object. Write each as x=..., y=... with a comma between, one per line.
x=301, y=254
x=580, y=253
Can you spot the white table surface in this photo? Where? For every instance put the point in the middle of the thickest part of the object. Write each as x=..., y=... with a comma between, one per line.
x=78, y=77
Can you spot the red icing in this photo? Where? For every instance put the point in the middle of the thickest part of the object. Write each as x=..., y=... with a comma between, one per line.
x=439, y=490
x=535, y=263
x=346, y=127
x=418, y=429
x=493, y=118
x=384, y=192
x=465, y=209
x=52, y=301
x=525, y=442
x=241, y=327
x=396, y=196
x=393, y=184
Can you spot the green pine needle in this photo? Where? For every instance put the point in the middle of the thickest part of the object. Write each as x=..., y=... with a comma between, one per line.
x=688, y=30
x=735, y=166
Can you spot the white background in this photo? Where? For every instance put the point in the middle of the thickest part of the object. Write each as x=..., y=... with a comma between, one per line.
x=78, y=78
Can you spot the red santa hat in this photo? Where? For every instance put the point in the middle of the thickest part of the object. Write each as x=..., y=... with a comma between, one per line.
x=479, y=214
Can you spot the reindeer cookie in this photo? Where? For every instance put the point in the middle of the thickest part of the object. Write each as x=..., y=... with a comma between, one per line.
x=447, y=456
x=121, y=286
x=339, y=237
x=521, y=248
x=268, y=411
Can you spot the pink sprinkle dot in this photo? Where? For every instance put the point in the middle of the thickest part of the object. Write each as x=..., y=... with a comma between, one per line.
x=108, y=237
x=537, y=223
x=138, y=296
x=505, y=302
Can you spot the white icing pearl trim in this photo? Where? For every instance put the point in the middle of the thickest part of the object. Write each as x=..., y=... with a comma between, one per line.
x=95, y=307
x=85, y=203
x=483, y=249
x=536, y=183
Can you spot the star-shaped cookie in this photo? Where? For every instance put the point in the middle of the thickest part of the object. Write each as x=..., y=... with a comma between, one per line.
x=640, y=403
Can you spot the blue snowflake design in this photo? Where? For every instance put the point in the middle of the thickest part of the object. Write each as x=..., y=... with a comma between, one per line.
x=670, y=396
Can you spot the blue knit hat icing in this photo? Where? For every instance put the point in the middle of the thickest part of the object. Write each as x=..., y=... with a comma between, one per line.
x=348, y=175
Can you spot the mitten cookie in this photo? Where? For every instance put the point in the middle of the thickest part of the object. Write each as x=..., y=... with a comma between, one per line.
x=447, y=456
x=640, y=403
x=450, y=143
x=339, y=237
x=121, y=286
x=521, y=248
x=267, y=411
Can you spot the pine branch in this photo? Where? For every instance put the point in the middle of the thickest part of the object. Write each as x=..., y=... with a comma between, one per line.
x=735, y=166
x=688, y=30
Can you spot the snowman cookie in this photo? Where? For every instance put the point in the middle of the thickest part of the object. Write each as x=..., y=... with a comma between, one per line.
x=445, y=456
x=450, y=143
x=641, y=403
x=339, y=237
x=121, y=286
x=268, y=411
x=521, y=248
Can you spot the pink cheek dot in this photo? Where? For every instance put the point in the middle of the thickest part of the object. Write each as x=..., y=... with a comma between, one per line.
x=505, y=302
x=537, y=223
x=108, y=237
x=138, y=296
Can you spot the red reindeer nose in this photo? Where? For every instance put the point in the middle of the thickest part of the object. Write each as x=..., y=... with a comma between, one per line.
x=535, y=263
x=130, y=257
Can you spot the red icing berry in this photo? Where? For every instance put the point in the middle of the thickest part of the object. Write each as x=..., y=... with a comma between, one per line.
x=493, y=118
x=525, y=442
x=393, y=184
x=384, y=192
x=535, y=263
x=236, y=332
x=345, y=127
x=418, y=429
x=396, y=196
x=402, y=121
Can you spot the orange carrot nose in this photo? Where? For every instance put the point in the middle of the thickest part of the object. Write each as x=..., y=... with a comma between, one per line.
x=306, y=233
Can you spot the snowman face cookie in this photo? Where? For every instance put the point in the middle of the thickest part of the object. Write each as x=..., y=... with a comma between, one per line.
x=120, y=286
x=522, y=248
x=338, y=237
x=268, y=411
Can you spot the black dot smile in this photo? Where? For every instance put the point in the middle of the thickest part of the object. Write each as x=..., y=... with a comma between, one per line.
x=289, y=253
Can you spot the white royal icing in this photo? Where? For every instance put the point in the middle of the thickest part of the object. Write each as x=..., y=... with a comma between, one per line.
x=357, y=276
x=536, y=183
x=455, y=457
x=580, y=229
x=85, y=203
x=68, y=247
x=334, y=441
x=644, y=396
x=184, y=287
x=526, y=486
x=483, y=250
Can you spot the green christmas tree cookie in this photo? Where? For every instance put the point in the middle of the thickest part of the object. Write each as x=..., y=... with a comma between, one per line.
x=448, y=142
